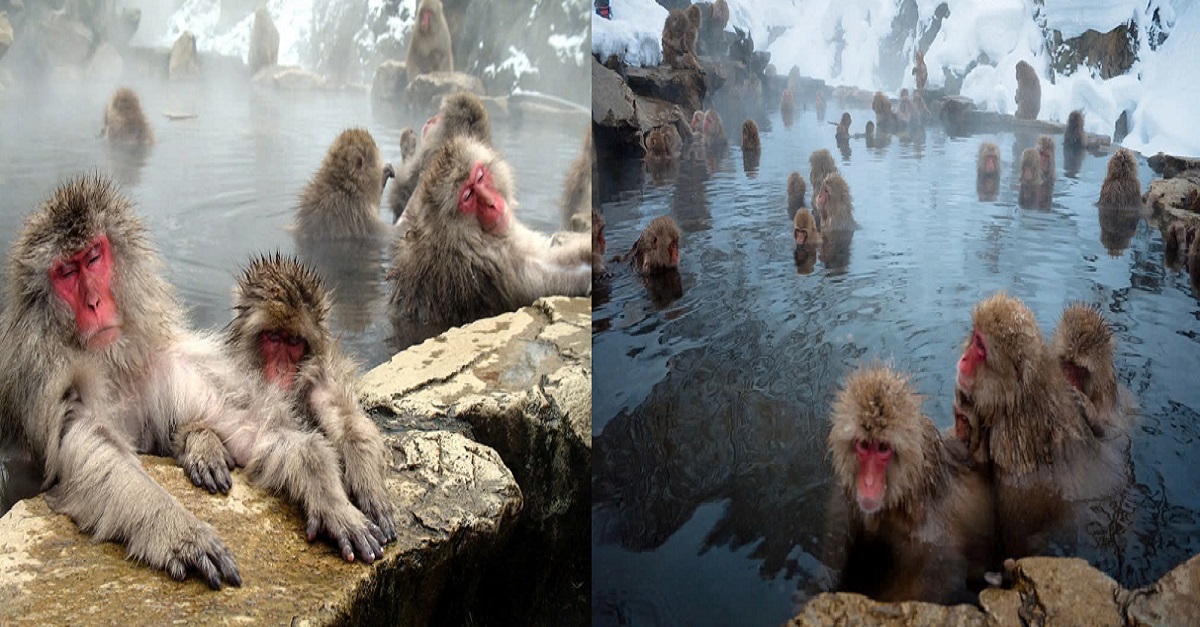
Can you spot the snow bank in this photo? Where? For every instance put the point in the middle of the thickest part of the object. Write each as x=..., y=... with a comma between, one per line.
x=634, y=33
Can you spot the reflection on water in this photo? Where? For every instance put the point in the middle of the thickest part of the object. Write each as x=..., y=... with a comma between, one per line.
x=217, y=188
x=710, y=478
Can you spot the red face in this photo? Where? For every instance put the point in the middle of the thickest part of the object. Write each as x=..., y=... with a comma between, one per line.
x=962, y=426
x=429, y=124
x=83, y=280
x=873, y=460
x=1074, y=373
x=697, y=120
x=1027, y=174
x=478, y=197
x=710, y=124
x=801, y=236
x=820, y=201
x=975, y=354
x=426, y=16
x=989, y=164
x=281, y=353
x=673, y=251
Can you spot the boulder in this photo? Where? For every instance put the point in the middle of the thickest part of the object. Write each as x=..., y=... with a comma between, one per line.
x=854, y=609
x=183, y=64
x=456, y=503
x=1174, y=600
x=1108, y=54
x=391, y=77
x=64, y=41
x=1170, y=166
x=1177, y=197
x=521, y=384
x=289, y=78
x=686, y=88
x=424, y=92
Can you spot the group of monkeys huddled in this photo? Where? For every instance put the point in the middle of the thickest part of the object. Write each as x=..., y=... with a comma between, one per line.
x=1041, y=430
x=102, y=365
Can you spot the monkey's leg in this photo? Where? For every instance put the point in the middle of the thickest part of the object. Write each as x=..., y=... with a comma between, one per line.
x=303, y=466
x=102, y=486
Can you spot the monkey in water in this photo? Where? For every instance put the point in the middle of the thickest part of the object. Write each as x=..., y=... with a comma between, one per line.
x=465, y=255
x=459, y=114
x=342, y=199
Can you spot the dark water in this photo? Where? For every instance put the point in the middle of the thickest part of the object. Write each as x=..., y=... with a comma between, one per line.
x=217, y=189
x=710, y=477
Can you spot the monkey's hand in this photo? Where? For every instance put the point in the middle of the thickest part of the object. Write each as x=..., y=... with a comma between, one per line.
x=349, y=529
x=186, y=544
x=374, y=504
x=206, y=461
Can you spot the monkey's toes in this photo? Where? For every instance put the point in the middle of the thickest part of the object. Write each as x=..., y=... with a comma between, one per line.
x=213, y=563
x=353, y=540
x=378, y=512
x=212, y=477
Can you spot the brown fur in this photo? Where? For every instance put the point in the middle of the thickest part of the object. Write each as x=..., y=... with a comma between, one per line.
x=1074, y=138
x=885, y=119
x=575, y=204
x=820, y=165
x=987, y=184
x=408, y=144
x=124, y=122
x=833, y=204
x=679, y=41
x=1029, y=92
x=787, y=104
x=460, y=114
x=714, y=131
x=448, y=271
x=1121, y=186
x=842, y=134
x=429, y=50
x=342, y=199
x=935, y=524
x=1045, y=148
x=652, y=251
x=599, y=245
x=869, y=135
x=750, y=140
x=919, y=71
x=1084, y=345
x=662, y=143
x=1176, y=243
x=796, y=192
x=1031, y=180
x=264, y=42
x=804, y=229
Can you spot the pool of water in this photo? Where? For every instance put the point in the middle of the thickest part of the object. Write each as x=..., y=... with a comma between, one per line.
x=221, y=187
x=710, y=411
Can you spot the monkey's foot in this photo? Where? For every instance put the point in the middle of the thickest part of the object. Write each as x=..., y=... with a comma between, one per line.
x=206, y=461
x=350, y=530
x=196, y=549
x=379, y=511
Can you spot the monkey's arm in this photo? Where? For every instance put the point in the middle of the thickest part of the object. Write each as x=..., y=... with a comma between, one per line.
x=101, y=485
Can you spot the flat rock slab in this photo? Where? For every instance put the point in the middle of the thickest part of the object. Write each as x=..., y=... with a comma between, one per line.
x=455, y=504
x=856, y=609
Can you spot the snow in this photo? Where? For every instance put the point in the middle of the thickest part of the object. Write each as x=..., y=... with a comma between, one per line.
x=838, y=40
x=293, y=18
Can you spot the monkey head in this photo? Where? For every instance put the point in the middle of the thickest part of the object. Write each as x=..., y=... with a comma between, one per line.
x=280, y=310
x=467, y=187
x=460, y=114
x=425, y=14
x=354, y=164
x=657, y=249
x=1003, y=347
x=804, y=228
x=989, y=159
x=879, y=440
x=1084, y=343
x=834, y=189
x=697, y=121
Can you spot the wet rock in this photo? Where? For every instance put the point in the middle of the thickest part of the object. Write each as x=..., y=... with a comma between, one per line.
x=6, y=33
x=519, y=383
x=424, y=92
x=854, y=609
x=612, y=102
x=183, y=64
x=686, y=88
x=264, y=41
x=1174, y=600
x=1170, y=166
x=455, y=503
x=106, y=64
x=64, y=41
x=391, y=77
x=1177, y=197
x=1066, y=591
x=619, y=117
x=289, y=78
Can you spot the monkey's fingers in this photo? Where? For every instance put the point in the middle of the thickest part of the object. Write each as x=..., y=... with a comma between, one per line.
x=208, y=557
x=379, y=512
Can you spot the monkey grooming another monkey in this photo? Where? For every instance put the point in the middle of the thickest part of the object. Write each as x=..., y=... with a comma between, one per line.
x=1121, y=188
x=679, y=41
x=429, y=48
x=1084, y=345
x=919, y=522
x=124, y=123
x=1030, y=195
x=342, y=199
x=1029, y=92
x=279, y=334
x=987, y=171
x=459, y=114
x=657, y=248
x=466, y=256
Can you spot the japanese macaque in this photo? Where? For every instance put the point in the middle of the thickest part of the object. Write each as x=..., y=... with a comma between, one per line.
x=820, y=165
x=465, y=255
x=842, y=134
x=408, y=144
x=796, y=193
x=279, y=335
x=124, y=123
x=969, y=444
x=869, y=134
x=804, y=229
x=833, y=204
x=713, y=131
x=919, y=523
x=459, y=114
x=1030, y=195
x=819, y=105
x=787, y=106
x=885, y=119
x=920, y=72
x=1029, y=92
x=429, y=48
x=750, y=139
x=657, y=248
x=575, y=205
x=1121, y=186
x=1074, y=138
x=987, y=171
x=679, y=41
x=662, y=143
x=599, y=245
x=1118, y=225
x=264, y=42
x=1040, y=440
x=1084, y=345
x=1177, y=241
x=1045, y=148
x=342, y=199
x=697, y=121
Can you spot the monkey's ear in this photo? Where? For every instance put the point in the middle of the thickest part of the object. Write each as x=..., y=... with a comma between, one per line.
x=359, y=162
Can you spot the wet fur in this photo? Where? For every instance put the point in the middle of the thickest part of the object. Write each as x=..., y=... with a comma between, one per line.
x=342, y=199
x=1121, y=186
x=124, y=122
x=462, y=114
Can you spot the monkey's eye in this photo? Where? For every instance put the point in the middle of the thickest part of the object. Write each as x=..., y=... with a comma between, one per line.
x=274, y=336
x=294, y=340
x=68, y=270
x=479, y=175
x=884, y=448
x=93, y=255
x=860, y=447
x=466, y=195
